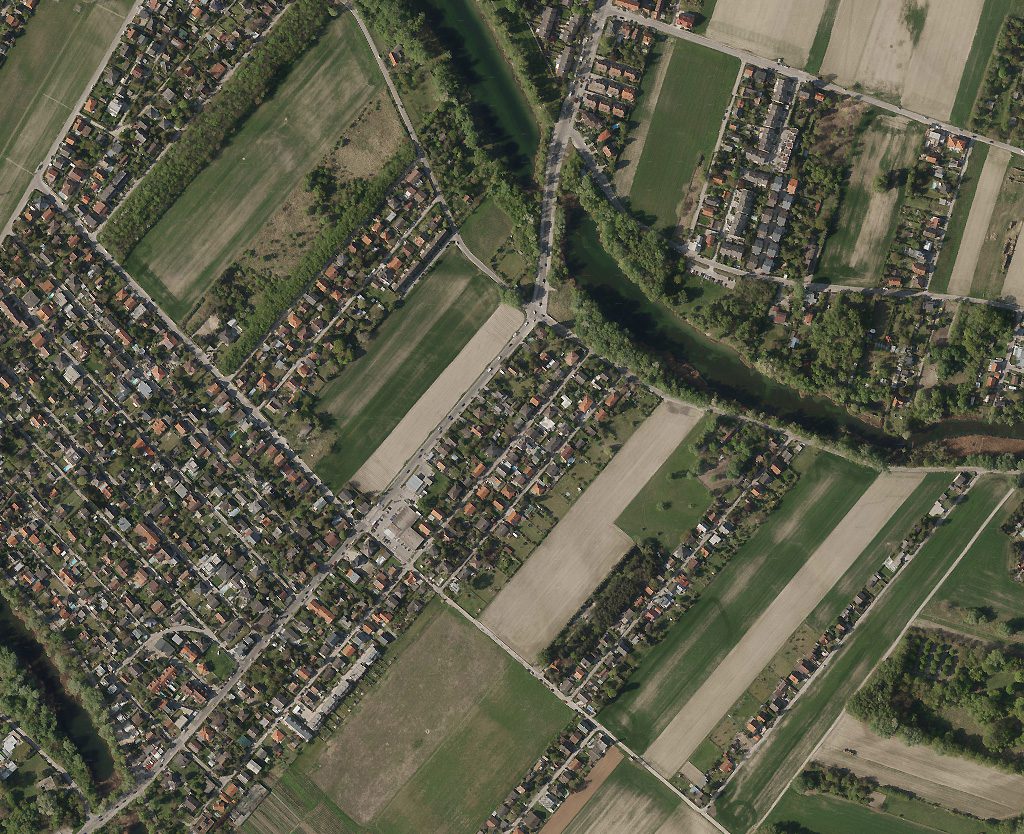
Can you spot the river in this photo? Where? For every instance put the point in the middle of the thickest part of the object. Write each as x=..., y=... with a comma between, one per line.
x=72, y=718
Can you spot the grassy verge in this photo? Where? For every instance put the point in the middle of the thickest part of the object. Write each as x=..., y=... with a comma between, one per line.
x=782, y=753
x=958, y=222
x=753, y=577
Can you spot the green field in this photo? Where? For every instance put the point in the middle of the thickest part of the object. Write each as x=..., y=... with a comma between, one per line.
x=982, y=580
x=683, y=129
x=1009, y=208
x=488, y=234
x=450, y=728
x=865, y=223
x=411, y=349
x=633, y=800
x=220, y=212
x=989, y=23
x=823, y=814
x=674, y=669
x=782, y=753
x=958, y=220
x=819, y=46
x=684, y=498
x=46, y=73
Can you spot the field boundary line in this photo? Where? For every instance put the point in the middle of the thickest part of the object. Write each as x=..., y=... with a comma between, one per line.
x=892, y=647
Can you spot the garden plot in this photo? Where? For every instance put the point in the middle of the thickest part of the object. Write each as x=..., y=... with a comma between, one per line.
x=578, y=553
x=913, y=52
x=769, y=633
x=770, y=28
x=951, y=781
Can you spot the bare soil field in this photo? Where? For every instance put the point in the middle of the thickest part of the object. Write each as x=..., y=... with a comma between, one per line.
x=634, y=149
x=770, y=28
x=438, y=400
x=567, y=811
x=770, y=632
x=578, y=553
x=978, y=221
x=872, y=45
x=950, y=781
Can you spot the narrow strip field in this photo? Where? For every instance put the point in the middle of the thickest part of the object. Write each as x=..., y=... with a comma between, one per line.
x=220, y=212
x=650, y=91
x=42, y=80
x=951, y=781
x=671, y=672
x=633, y=801
x=782, y=753
x=958, y=219
x=978, y=221
x=567, y=811
x=578, y=553
x=770, y=631
x=683, y=130
x=438, y=400
x=412, y=348
x=770, y=28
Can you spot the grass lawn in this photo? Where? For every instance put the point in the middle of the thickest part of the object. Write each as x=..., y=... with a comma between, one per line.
x=219, y=214
x=822, y=37
x=993, y=13
x=450, y=728
x=485, y=232
x=982, y=580
x=958, y=220
x=683, y=131
x=684, y=497
x=45, y=75
x=674, y=669
x=1009, y=207
x=824, y=814
x=764, y=777
x=411, y=349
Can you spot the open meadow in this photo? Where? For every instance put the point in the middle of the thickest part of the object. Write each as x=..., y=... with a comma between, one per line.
x=410, y=350
x=577, y=554
x=221, y=211
x=910, y=52
x=450, y=728
x=771, y=28
x=783, y=751
x=680, y=139
x=671, y=672
x=772, y=629
x=855, y=251
x=633, y=800
x=43, y=78
x=947, y=780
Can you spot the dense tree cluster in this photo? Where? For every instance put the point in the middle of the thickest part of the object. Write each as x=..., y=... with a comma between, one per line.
x=299, y=27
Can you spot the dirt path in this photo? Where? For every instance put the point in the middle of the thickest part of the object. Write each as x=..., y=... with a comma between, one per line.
x=771, y=28
x=578, y=553
x=568, y=810
x=978, y=221
x=437, y=400
x=770, y=632
x=635, y=148
x=950, y=781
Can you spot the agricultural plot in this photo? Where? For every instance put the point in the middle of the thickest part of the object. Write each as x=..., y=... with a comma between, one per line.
x=633, y=800
x=670, y=674
x=771, y=28
x=671, y=502
x=950, y=781
x=912, y=52
x=855, y=252
x=993, y=14
x=220, y=212
x=411, y=349
x=782, y=752
x=42, y=81
x=983, y=582
x=578, y=553
x=772, y=629
x=956, y=227
x=448, y=730
x=682, y=133
x=385, y=463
